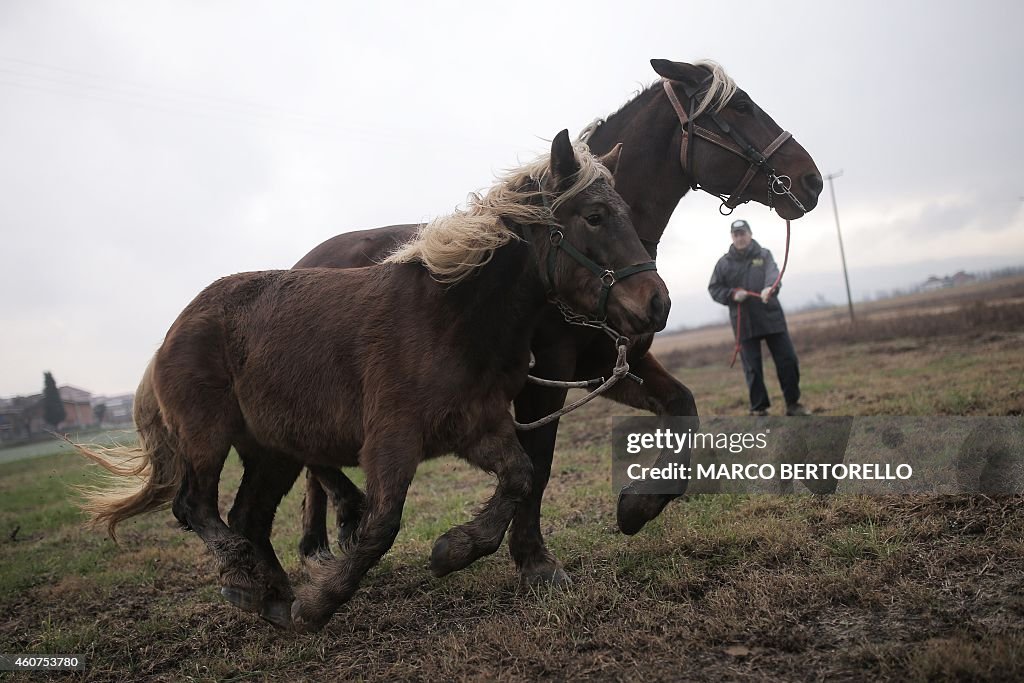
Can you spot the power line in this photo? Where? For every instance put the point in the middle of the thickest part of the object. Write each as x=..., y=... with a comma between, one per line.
x=163, y=109
x=181, y=102
x=125, y=86
x=222, y=110
x=231, y=112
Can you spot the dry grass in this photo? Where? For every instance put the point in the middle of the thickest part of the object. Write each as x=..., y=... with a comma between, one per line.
x=719, y=587
x=972, y=321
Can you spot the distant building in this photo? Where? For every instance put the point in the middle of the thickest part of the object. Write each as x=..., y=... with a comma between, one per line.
x=21, y=417
x=960, y=278
x=14, y=424
x=118, y=409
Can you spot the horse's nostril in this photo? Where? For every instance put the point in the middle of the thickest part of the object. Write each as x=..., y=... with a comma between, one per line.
x=659, y=308
x=812, y=182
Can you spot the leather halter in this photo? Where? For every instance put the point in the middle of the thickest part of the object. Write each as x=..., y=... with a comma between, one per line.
x=609, y=278
x=735, y=143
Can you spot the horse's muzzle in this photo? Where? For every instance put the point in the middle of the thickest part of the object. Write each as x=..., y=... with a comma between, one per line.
x=657, y=311
x=651, y=320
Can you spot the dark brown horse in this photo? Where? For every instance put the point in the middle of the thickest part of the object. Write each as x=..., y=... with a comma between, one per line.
x=660, y=163
x=381, y=367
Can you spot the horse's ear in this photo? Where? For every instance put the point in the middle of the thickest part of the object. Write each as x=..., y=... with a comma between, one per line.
x=611, y=159
x=679, y=71
x=563, y=157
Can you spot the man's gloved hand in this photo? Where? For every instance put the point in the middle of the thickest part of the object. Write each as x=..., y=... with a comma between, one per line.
x=739, y=295
x=766, y=294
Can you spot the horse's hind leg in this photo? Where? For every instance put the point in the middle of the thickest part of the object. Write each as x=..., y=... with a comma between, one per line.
x=501, y=454
x=266, y=479
x=389, y=466
x=535, y=563
x=314, y=542
x=196, y=507
x=349, y=503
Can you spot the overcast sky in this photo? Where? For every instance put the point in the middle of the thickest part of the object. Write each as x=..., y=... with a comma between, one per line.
x=148, y=148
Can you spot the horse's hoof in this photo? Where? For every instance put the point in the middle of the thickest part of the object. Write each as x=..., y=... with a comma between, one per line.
x=246, y=600
x=316, y=559
x=455, y=550
x=278, y=613
x=311, y=547
x=636, y=509
x=303, y=624
x=347, y=534
x=555, y=577
x=440, y=557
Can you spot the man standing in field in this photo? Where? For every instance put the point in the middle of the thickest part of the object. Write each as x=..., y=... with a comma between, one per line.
x=745, y=268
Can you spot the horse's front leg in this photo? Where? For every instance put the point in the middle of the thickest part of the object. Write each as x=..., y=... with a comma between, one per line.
x=389, y=463
x=536, y=564
x=662, y=394
x=501, y=454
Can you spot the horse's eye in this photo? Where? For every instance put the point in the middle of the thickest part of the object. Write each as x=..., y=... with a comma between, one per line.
x=594, y=219
x=742, y=107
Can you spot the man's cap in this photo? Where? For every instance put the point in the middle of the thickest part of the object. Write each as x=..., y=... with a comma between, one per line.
x=739, y=225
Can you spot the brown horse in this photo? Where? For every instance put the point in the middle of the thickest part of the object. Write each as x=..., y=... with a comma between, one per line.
x=660, y=163
x=415, y=358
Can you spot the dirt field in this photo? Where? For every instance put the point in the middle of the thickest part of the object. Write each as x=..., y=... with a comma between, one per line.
x=718, y=588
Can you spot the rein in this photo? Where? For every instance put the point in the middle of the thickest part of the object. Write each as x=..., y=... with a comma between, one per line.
x=739, y=304
x=735, y=143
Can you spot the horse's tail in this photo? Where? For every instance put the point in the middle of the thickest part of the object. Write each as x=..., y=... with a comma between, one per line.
x=154, y=464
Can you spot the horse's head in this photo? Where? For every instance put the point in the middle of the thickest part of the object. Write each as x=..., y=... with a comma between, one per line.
x=592, y=258
x=733, y=147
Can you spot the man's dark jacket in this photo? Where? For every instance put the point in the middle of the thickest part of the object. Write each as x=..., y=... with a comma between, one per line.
x=754, y=269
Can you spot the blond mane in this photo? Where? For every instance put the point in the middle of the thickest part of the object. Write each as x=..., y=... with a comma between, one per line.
x=451, y=247
x=720, y=91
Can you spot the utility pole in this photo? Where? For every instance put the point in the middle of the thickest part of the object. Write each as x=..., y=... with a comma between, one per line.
x=842, y=252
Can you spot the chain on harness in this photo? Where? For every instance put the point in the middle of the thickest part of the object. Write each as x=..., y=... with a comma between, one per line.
x=608, y=278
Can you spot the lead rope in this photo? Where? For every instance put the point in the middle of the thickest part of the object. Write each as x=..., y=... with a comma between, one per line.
x=620, y=370
x=739, y=305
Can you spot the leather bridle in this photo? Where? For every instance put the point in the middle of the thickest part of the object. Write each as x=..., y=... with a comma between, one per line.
x=735, y=143
x=609, y=278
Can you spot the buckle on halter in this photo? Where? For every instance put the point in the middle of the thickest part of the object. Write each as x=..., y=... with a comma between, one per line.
x=556, y=237
x=608, y=278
